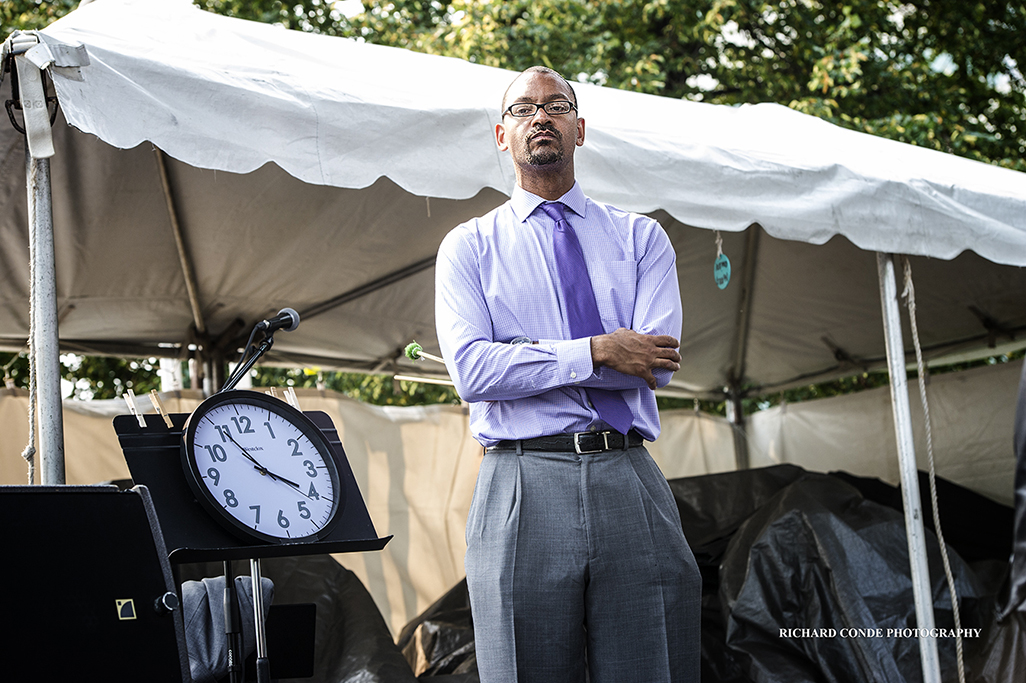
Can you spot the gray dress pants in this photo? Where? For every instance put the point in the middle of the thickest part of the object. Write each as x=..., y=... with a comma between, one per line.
x=579, y=561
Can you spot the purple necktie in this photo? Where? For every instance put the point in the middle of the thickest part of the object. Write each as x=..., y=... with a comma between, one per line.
x=582, y=311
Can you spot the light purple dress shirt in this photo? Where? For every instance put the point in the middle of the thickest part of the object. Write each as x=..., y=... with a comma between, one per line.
x=496, y=282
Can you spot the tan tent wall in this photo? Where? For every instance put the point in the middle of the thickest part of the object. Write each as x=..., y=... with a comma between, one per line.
x=416, y=466
x=972, y=414
x=91, y=451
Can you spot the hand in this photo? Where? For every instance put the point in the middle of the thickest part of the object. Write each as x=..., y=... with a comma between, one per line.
x=636, y=354
x=263, y=470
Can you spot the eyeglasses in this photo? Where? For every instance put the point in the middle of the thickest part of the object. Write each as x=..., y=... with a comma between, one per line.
x=523, y=110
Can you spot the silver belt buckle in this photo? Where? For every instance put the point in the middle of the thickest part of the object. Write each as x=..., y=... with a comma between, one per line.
x=577, y=442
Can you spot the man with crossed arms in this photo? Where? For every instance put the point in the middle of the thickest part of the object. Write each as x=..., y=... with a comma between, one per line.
x=558, y=316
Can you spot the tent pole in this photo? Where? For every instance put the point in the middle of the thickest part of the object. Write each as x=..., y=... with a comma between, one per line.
x=188, y=272
x=45, y=343
x=736, y=417
x=907, y=465
x=735, y=413
x=45, y=340
x=370, y=287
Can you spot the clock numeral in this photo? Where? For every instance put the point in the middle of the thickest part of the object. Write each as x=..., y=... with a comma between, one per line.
x=271, y=431
x=216, y=453
x=230, y=499
x=243, y=424
x=256, y=508
x=313, y=495
x=223, y=431
x=295, y=447
x=310, y=470
x=304, y=511
x=215, y=475
x=283, y=521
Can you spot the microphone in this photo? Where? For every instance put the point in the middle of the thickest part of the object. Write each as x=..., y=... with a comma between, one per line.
x=287, y=319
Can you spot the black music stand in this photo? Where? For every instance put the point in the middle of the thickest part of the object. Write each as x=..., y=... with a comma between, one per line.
x=192, y=535
x=88, y=591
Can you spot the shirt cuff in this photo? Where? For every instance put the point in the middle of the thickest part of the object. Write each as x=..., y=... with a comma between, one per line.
x=573, y=359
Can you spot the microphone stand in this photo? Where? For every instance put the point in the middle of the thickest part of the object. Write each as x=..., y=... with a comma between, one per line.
x=233, y=628
x=263, y=666
x=241, y=370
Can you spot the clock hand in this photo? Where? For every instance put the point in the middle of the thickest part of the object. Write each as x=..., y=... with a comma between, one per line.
x=260, y=468
x=272, y=475
x=245, y=452
x=296, y=486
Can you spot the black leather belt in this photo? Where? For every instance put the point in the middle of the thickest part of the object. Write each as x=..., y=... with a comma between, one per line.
x=580, y=442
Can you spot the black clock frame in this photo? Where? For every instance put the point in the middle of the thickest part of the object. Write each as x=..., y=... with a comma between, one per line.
x=213, y=507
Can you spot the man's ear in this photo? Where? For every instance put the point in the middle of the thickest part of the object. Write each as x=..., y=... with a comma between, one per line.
x=500, y=137
x=580, y=131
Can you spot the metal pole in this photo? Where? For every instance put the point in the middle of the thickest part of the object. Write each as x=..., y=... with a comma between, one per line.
x=907, y=465
x=737, y=373
x=45, y=344
x=188, y=272
x=739, y=432
x=263, y=668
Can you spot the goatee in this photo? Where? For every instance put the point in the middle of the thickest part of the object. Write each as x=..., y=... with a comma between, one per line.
x=545, y=156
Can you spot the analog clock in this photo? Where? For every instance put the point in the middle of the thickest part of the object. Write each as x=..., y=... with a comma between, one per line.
x=262, y=468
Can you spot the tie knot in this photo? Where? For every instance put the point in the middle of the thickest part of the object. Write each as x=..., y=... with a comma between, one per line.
x=553, y=210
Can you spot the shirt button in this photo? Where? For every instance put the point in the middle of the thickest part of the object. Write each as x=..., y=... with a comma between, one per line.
x=573, y=375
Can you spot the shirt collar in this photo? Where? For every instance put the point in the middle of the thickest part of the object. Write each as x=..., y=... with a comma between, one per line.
x=524, y=203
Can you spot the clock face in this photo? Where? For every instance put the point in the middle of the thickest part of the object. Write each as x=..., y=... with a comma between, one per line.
x=262, y=468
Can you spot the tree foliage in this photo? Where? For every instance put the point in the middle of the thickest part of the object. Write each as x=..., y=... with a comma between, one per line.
x=29, y=15
x=943, y=74
x=90, y=377
x=303, y=15
x=380, y=390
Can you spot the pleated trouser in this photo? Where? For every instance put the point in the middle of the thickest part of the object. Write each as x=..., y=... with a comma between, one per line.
x=578, y=561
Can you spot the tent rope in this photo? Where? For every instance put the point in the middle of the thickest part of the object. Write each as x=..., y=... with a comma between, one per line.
x=910, y=299
x=29, y=453
x=30, y=448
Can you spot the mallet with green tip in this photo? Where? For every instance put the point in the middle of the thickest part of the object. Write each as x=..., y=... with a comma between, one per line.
x=415, y=351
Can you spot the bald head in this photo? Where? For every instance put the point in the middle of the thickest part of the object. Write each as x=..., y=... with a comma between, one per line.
x=542, y=70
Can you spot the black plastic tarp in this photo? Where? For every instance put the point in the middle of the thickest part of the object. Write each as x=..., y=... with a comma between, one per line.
x=1015, y=597
x=439, y=643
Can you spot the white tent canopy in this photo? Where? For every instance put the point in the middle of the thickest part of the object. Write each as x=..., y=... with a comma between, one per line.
x=377, y=152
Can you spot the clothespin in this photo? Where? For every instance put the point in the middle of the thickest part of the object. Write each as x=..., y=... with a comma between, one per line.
x=290, y=396
x=129, y=397
x=159, y=406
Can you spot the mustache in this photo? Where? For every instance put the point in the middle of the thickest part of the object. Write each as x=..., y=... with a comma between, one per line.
x=545, y=127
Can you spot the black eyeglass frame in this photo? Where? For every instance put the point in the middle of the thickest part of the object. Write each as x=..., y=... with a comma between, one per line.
x=534, y=112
